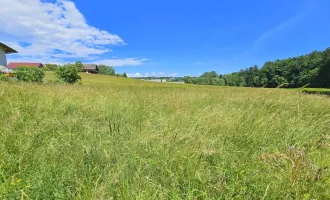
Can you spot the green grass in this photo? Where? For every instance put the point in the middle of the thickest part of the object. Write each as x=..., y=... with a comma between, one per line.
x=115, y=138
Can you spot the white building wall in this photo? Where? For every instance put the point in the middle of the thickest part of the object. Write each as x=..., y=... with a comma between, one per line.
x=3, y=59
x=157, y=80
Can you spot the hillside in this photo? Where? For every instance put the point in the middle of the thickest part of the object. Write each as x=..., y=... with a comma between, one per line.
x=105, y=80
x=117, y=138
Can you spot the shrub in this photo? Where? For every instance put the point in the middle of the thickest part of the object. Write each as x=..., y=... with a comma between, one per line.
x=68, y=73
x=4, y=77
x=316, y=91
x=50, y=67
x=124, y=75
x=29, y=74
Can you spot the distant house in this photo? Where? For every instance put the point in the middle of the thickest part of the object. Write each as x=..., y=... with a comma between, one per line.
x=4, y=49
x=15, y=65
x=91, y=68
x=157, y=80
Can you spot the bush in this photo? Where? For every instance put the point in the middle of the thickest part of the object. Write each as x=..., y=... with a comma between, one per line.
x=68, y=73
x=4, y=77
x=316, y=91
x=124, y=75
x=50, y=67
x=29, y=74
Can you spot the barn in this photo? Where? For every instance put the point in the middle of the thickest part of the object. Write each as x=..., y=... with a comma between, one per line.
x=15, y=65
x=4, y=49
x=91, y=68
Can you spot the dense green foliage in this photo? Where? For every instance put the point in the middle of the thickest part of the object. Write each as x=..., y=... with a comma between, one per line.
x=124, y=75
x=106, y=70
x=50, y=67
x=68, y=73
x=116, y=138
x=79, y=66
x=312, y=69
x=4, y=77
x=316, y=91
x=29, y=74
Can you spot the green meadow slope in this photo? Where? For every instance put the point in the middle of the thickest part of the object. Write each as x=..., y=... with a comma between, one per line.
x=116, y=138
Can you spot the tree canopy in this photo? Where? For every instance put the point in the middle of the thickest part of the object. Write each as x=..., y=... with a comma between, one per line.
x=107, y=70
x=312, y=69
x=79, y=66
x=50, y=67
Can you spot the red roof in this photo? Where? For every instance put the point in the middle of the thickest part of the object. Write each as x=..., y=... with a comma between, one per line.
x=14, y=65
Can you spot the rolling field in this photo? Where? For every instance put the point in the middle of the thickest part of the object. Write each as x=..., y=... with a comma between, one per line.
x=115, y=138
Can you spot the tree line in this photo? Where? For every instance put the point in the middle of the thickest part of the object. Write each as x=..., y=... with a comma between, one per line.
x=68, y=73
x=312, y=70
x=103, y=69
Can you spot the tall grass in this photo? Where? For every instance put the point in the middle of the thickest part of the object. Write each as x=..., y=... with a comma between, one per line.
x=114, y=138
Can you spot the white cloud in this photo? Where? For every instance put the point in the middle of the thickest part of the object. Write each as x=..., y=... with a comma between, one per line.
x=117, y=62
x=134, y=75
x=40, y=30
x=172, y=74
x=42, y=59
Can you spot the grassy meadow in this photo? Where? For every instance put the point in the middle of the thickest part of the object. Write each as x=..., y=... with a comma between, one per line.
x=116, y=138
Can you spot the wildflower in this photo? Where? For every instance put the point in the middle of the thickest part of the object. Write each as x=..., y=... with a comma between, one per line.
x=19, y=180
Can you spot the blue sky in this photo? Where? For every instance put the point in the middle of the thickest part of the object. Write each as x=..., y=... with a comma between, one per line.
x=169, y=37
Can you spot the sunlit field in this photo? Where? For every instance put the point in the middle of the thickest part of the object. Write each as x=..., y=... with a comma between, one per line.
x=117, y=138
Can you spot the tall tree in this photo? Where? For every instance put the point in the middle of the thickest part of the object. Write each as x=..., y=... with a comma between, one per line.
x=107, y=70
x=79, y=66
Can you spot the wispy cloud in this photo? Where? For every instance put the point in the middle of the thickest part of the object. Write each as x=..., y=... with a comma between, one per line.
x=173, y=74
x=282, y=27
x=118, y=62
x=41, y=59
x=55, y=32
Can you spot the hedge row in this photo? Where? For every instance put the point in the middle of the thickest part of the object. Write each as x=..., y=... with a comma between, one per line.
x=316, y=91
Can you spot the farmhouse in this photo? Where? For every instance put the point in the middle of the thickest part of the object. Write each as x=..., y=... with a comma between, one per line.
x=157, y=80
x=4, y=49
x=91, y=68
x=15, y=65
